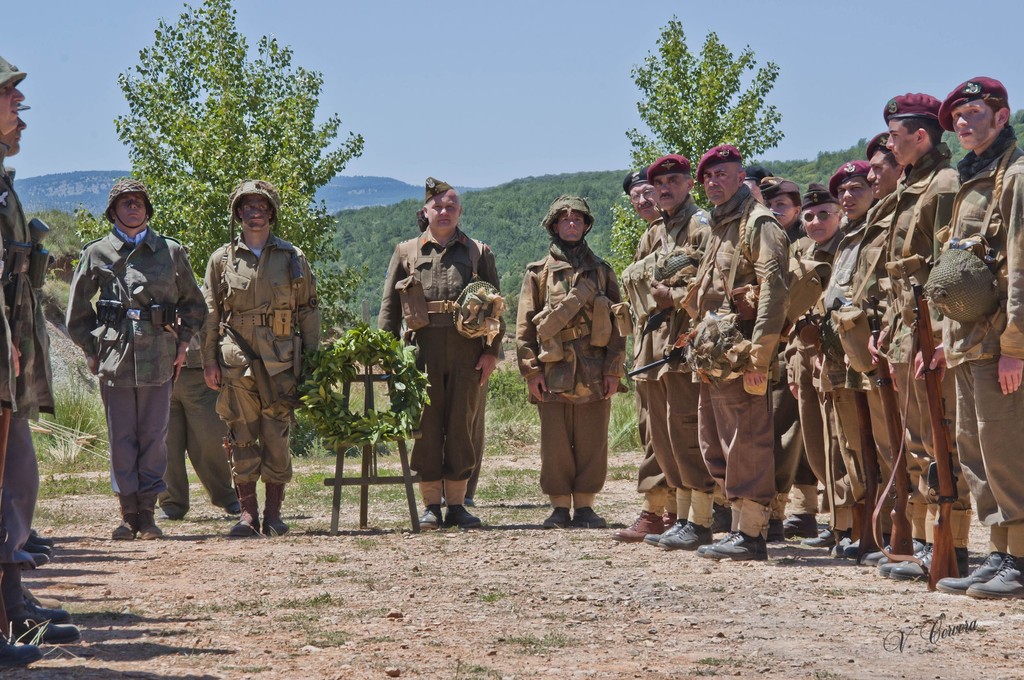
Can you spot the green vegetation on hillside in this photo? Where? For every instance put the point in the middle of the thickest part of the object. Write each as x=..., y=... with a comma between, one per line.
x=506, y=217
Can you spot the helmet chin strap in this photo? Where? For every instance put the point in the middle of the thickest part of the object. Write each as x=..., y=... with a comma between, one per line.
x=145, y=219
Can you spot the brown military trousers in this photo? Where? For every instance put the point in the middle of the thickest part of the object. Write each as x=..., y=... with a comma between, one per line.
x=445, y=449
x=649, y=476
x=989, y=434
x=736, y=439
x=573, y=446
x=673, y=430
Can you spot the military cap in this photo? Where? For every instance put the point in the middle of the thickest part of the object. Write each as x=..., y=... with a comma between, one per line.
x=127, y=185
x=723, y=153
x=256, y=187
x=672, y=164
x=435, y=187
x=776, y=186
x=757, y=173
x=847, y=171
x=634, y=178
x=817, y=194
x=10, y=74
x=975, y=88
x=912, y=105
x=878, y=143
x=564, y=203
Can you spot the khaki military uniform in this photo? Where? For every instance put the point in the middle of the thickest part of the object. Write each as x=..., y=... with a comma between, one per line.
x=194, y=429
x=135, y=355
x=445, y=449
x=650, y=479
x=28, y=394
x=671, y=391
x=263, y=315
x=990, y=425
x=574, y=412
x=735, y=428
x=924, y=200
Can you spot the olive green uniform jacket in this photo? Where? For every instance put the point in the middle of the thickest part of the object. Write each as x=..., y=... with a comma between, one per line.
x=133, y=352
x=34, y=387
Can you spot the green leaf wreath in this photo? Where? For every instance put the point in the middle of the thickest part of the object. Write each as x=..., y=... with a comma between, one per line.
x=344, y=360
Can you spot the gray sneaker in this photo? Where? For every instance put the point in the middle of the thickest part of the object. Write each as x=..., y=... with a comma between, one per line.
x=655, y=539
x=986, y=572
x=1005, y=585
x=742, y=547
x=690, y=536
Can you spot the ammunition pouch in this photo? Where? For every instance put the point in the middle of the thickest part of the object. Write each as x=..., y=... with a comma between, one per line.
x=623, y=318
x=905, y=267
x=551, y=320
x=414, y=303
x=601, y=325
x=807, y=283
x=281, y=322
x=854, y=332
x=39, y=263
x=17, y=258
x=110, y=312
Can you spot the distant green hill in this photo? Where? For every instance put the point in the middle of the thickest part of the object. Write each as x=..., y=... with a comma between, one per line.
x=507, y=217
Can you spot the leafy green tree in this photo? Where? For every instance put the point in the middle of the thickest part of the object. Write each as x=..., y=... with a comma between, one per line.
x=203, y=115
x=692, y=103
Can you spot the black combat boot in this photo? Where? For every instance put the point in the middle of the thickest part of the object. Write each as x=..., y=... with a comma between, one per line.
x=129, y=526
x=458, y=516
x=803, y=525
x=272, y=524
x=15, y=656
x=249, y=522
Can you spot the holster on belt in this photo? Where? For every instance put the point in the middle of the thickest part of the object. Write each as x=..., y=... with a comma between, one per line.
x=744, y=299
x=414, y=303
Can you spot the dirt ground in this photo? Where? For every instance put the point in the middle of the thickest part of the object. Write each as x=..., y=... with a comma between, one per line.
x=510, y=600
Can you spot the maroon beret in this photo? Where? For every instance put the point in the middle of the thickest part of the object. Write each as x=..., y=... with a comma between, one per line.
x=775, y=186
x=817, y=194
x=723, y=153
x=975, y=88
x=671, y=164
x=877, y=143
x=848, y=171
x=912, y=105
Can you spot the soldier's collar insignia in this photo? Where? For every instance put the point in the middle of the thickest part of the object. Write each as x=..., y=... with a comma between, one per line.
x=972, y=88
x=893, y=107
x=724, y=153
x=3, y=198
x=850, y=167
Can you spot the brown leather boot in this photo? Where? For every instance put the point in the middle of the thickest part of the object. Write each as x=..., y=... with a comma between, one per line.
x=129, y=525
x=249, y=521
x=148, y=530
x=646, y=523
x=272, y=524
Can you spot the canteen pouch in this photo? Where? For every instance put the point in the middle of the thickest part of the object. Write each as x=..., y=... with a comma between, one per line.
x=414, y=303
x=601, y=325
x=623, y=318
x=560, y=376
x=854, y=333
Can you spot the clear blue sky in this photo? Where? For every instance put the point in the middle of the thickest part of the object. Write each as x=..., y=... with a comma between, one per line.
x=530, y=87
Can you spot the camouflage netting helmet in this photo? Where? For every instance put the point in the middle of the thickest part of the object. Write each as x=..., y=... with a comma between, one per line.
x=127, y=185
x=678, y=267
x=255, y=187
x=961, y=286
x=564, y=203
x=10, y=74
x=718, y=351
x=479, y=312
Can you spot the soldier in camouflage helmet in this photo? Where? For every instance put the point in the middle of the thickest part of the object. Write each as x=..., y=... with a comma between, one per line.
x=263, y=314
x=572, y=358
x=26, y=395
x=133, y=344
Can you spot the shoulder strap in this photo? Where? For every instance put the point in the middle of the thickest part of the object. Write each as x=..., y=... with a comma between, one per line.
x=476, y=249
x=408, y=251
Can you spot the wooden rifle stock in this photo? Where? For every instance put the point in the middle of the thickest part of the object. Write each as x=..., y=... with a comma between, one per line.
x=901, y=540
x=869, y=463
x=943, y=553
